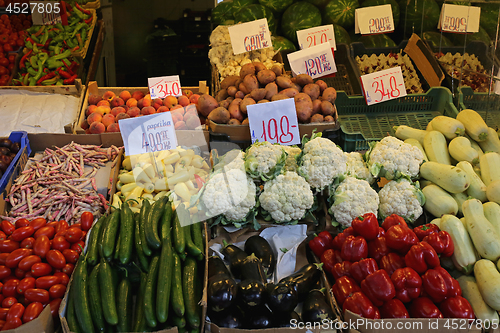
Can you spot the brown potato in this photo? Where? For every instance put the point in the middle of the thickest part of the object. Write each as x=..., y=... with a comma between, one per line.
x=230, y=99
x=303, y=79
x=232, y=90
x=247, y=69
x=317, y=118
x=312, y=90
x=271, y=90
x=327, y=108
x=296, y=86
x=221, y=95
x=250, y=82
x=206, y=104
x=266, y=76
x=259, y=66
x=263, y=101
x=303, y=106
x=316, y=106
x=219, y=115
x=243, y=88
x=234, y=110
x=234, y=122
x=330, y=95
x=239, y=94
x=277, y=69
x=290, y=92
x=277, y=97
x=245, y=121
x=229, y=81
x=322, y=85
x=328, y=119
x=245, y=102
x=284, y=82
x=258, y=94
x=225, y=103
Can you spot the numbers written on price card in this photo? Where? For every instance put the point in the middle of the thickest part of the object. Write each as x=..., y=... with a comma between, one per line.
x=459, y=19
x=161, y=87
x=314, y=36
x=148, y=134
x=316, y=61
x=374, y=20
x=275, y=122
x=42, y=12
x=383, y=85
x=250, y=36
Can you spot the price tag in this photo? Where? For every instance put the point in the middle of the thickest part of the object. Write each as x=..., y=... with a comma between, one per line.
x=250, y=36
x=373, y=20
x=275, y=122
x=161, y=87
x=317, y=61
x=383, y=85
x=148, y=133
x=315, y=36
x=459, y=19
x=45, y=12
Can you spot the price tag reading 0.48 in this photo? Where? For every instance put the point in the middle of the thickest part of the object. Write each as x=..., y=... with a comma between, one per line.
x=383, y=85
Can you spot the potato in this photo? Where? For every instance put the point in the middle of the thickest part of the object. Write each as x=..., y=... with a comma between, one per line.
x=230, y=99
x=219, y=115
x=221, y=95
x=258, y=94
x=296, y=86
x=316, y=106
x=266, y=76
x=232, y=90
x=263, y=101
x=277, y=69
x=317, y=118
x=259, y=66
x=303, y=106
x=330, y=95
x=284, y=82
x=229, y=81
x=251, y=83
x=239, y=94
x=243, y=88
x=225, y=103
x=322, y=85
x=312, y=90
x=290, y=92
x=245, y=102
x=206, y=104
x=234, y=110
x=303, y=79
x=234, y=122
x=247, y=69
x=327, y=108
x=328, y=119
x=245, y=121
x=271, y=90
x=277, y=97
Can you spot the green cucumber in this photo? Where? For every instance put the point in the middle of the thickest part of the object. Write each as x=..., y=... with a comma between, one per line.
x=191, y=248
x=177, y=300
x=178, y=233
x=70, y=313
x=108, y=295
x=124, y=305
x=143, y=261
x=150, y=293
x=126, y=233
x=151, y=225
x=180, y=322
x=146, y=206
x=81, y=301
x=140, y=320
x=197, y=236
x=100, y=245
x=95, y=300
x=166, y=267
x=116, y=254
x=189, y=285
x=109, y=234
x=92, y=249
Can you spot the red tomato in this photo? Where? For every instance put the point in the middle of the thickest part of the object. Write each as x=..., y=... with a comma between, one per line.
x=45, y=282
x=54, y=306
x=14, y=323
x=45, y=231
x=28, y=243
x=7, y=47
x=9, y=301
x=21, y=222
x=20, y=42
x=19, y=273
x=63, y=276
x=37, y=295
x=29, y=261
x=3, y=235
x=32, y=311
x=40, y=269
x=4, y=70
x=3, y=257
x=56, y=259
x=52, y=224
x=12, y=59
x=16, y=256
x=41, y=246
x=6, y=226
x=4, y=272
x=86, y=220
x=15, y=311
x=11, y=67
x=62, y=226
x=73, y=235
x=76, y=225
x=84, y=233
x=7, y=246
x=57, y=291
x=38, y=223
x=21, y=233
x=78, y=247
x=71, y=256
x=24, y=284
x=60, y=243
x=9, y=288
x=68, y=269
x=3, y=313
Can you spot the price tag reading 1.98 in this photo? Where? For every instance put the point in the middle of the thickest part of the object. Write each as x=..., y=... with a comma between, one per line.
x=383, y=85
x=161, y=87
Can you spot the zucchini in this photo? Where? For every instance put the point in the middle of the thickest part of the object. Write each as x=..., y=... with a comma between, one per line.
x=417, y=144
x=450, y=178
x=81, y=301
x=464, y=255
x=437, y=221
x=493, y=191
x=94, y=241
x=474, y=124
x=461, y=150
x=475, y=146
x=470, y=291
x=438, y=201
x=492, y=143
x=449, y=127
x=189, y=285
x=476, y=189
x=126, y=234
x=429, y=128
x=177, y=299
x=460, y=198
x=124, y=305
x=166, y=267
x=150, y=293
x=464, y=222
x=404, y=132
x=490, y=171
x=140, y=320
x=436, y=148
x=151, y=224
x=109, y=234
x=108, y=295
x=95, y=300
x=146, y=206
x=484, y=236
x=488, y=282
x=423, y=183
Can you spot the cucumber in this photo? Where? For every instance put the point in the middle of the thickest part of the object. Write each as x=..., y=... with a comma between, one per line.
x=180, y=322
x=436, y=148
x=140, y=319
x=450, y=178
x=197, y=236
x=470, y=292
x=109, y=234
x=116, y=255
x=81, y=301
x=143, y=261
x=100, y=246
x=151, y=224
x=146, y=206
x=474, y=124
x=126, y=234
x=191, y=248
x=92, y=249
x=124, y=304
x=178, y=233
x=108, y=297
x=70, y=313
x=95, y=300
x=177, y=300
x=189, y=285
x=150, y=293
x=166, y=267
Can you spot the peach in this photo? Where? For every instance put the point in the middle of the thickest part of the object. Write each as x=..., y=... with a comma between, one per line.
x=131, y=102
x=134, y=111
x=113, y=128
x=90, y=109
x=142, y=103
x=125, y=107
x=194, y=98
x=137, y=95
x=94, y=99
x=108, y=119
x=109, y=95
x=97, y=128
x=148, y=110
x=117, y=110
x=117, y=101
x=162, y=109
x=148, y=96
x=178, y=107
x=176, y=117
x=94, y=117
x=125, y=95
x=183, y=100
x=84, y=125
x=102, y=109
x=157, y=102
x=180, y=125
x=103, y=102
x=121, y=116
x=192, y=121
x=188, y=93
x=87, y=131
x=170, y=101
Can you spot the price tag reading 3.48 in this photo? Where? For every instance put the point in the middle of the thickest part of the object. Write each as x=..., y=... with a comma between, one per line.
x=373, y=20
x=161, y=87
x=383, y=85
x=275, y=122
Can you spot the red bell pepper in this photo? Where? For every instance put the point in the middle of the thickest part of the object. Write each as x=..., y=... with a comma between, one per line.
x=423, y=307
x=361, y=269
x=318, y=245
x=400, y=238
x=421, y=257
x=378, y=287
x=451, y=284
x=393, y=309
x=441, y=242
x=391, y=262
x=341, y=269
x=359, y=304
x=434, y=285
x=393, y=220
x=344, y=287
x=327, y=237
x=329, y=258
x=408, y=284
x=377, y=248
x=456, y=307
x=381, y=232
x=354, y=249
x=425, y=230
x=366, y=226
x=339, y=240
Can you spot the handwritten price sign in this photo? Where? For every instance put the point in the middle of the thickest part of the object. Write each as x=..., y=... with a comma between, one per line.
x=275, y=122
x=316, y=61
x=374, y=20
x=148, y=134
x=314, y=36
x=250, y=36
x=459, y=19
x=383, y=85
x=161, y=87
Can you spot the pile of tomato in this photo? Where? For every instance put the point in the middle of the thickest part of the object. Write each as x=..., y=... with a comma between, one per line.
x=36, y=261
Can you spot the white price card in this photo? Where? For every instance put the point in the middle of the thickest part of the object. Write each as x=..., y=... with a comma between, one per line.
x=43, y=12
x=275, y=122
x=250, y=36
x=383, y=85
x=316, y=61
x=315, y=36
x=161, y=87
x=373, y=20
x=148, y=133
x=459, y=19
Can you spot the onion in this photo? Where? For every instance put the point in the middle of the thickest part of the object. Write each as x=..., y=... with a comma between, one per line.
x=15, y=147
x=5, y=143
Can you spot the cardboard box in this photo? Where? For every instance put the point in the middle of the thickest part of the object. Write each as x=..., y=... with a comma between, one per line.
x=424, y=59
x=44, y=323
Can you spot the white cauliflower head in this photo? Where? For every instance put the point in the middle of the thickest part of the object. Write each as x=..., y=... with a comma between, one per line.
x=357, y=168
x=392, y=158
x=287, y=197
x=291, y=161
x=402, y=198
x=265, y=160
x=233, y=159
x=352, y=198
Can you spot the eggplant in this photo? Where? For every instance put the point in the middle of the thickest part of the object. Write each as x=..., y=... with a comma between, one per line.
x=262, y=317
x=15, y=147
x=315, y=307
x=262, y=250
x=5, y=143
x=222, y=290
x=252, y=290
x=285, y=319
x=235, y=256
x=304, y=279
x=216, y=266
x=282, y=298
x=230, y=318
x=251, y=269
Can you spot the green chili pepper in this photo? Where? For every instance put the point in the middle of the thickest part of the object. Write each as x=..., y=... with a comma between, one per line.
x=45, y=37
x=77, y=28
x=40, y=71
x=84, y=34
x=53, y=64
x=33, y=61
x=50, y=82
x=31, y=71
x=35, y=48
x=59, y=26
x=60, y=56
x=25, y=79
x=57, y=50
x=66, y=62
x=35, y=39
x=32, y=81
x=71, y=44
x=79, y=13
x=29, y=45
x=59, y=82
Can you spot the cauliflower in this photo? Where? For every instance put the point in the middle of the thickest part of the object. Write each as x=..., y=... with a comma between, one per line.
x=392, y=158
x=356, y=167
x=322, y=162
x=233, y=159
x=403, y=198
x=286, y=198
x=291, y=159
x=352, y=198
x=264, y=160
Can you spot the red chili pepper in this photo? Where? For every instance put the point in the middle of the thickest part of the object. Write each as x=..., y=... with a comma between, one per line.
x=65, y=74
x=23, y=59
x=391, y=262
x=341, y=269
x=89, y=20
x=393, y=220
x=85, y=11
x=73, y=67
x=46, y=77
x=318, y=246
x=441, y=242
x=456, y=307
x=377, y=248
x=360, y=304
x=408, y=284
x=393, y=309
x=39, y=32
x=400, y=238
x=423, y=307
x=421, y=257
x=76, y=48
x=425, y=230
x=361, y=269
x=344, y=287
x=354, y=248
x=70, y=80
x=378, y=287
x=366, y=226
x=329, y=258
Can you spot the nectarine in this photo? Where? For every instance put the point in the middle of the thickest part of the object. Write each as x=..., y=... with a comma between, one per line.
x=142, y=103
x=103, y=102
x=117, y=101
x=121, y=116
x=108, y=119
x=94, y=99
x=138, y=95
x=133, y=111
x=108, y=95
x=147, y=110
x=97, y=128
x=117, y=110
x=170, y=101
x=186, y=92
x=162, y=109
x=113, y=128
x=131, y=102
x=194, y=98
x=125, y=95
x=103, y=109
x=94, y=117
x=183, y=100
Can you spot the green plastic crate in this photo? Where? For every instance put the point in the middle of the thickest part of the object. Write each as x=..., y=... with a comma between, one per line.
x=361, y=123
x=487, y=105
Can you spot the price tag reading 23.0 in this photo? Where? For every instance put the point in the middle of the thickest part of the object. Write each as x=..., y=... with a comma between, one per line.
x=275, y=122
x=161, y=87
x=383, y=85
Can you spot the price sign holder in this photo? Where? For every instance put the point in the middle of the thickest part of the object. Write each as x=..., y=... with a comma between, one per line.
x=275, y=122
x=383, y=85
x=148, y=134
x=161, y=87
x=250, y=36
x=459, y=19
x=373, y=20
x=46, y=12
x=315, y=36
x=316, y=61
